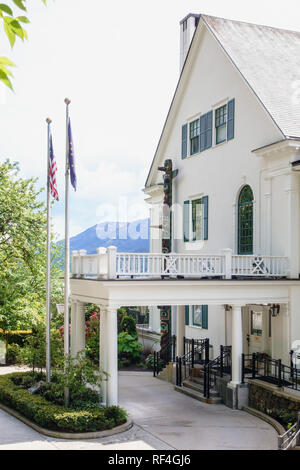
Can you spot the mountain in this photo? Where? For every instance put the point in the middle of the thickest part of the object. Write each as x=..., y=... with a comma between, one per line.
x=131, y=237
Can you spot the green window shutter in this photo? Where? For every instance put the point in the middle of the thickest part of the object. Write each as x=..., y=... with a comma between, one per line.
x=205, y=217
x=202, y=132
x=184, y=130
x=205, y=317
x=208, y=133
x=230, y=119
x=186, y=221
x=187, y=315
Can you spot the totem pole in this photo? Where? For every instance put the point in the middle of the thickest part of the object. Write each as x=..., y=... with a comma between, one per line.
x=165, y=311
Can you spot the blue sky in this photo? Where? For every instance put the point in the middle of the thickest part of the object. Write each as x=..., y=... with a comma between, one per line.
x=119, y=63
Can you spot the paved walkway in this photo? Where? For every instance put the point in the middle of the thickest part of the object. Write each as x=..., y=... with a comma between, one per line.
x=164, y=420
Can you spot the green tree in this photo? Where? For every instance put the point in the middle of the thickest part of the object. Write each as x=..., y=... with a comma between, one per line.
x=33, y=354
x=23, y=252
x=12, y=26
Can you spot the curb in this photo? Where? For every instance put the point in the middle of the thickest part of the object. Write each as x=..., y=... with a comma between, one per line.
x=66, y=435
x=277, y=426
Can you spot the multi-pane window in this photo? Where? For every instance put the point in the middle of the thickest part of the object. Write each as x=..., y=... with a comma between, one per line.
x=194, y=136
x=245, y=221
x=221, y=124
x=256, y=323
x=196, y=315
x=197, y=135
x=195, y=219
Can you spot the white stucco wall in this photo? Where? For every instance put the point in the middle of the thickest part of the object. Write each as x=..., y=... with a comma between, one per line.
x=215, y=331
x=210, y=80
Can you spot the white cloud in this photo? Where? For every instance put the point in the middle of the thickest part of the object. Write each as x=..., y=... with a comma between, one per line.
x=120, y=69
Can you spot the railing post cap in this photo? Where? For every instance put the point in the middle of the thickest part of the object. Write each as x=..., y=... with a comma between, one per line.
x=227, y=250
x=82, y=252
x=101, y=250
x=112, y=248
x=74, y=252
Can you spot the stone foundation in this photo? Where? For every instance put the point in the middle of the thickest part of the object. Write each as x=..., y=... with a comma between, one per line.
x=276, y=402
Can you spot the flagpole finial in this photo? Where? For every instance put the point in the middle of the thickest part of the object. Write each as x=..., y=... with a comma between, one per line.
x=48, y=121
x=67, y=101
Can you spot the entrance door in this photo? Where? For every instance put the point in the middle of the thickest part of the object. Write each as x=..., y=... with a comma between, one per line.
x=257, y=330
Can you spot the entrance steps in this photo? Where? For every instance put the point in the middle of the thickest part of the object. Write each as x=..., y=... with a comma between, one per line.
x=168, y=373
x=193, y=387
x=198, y=395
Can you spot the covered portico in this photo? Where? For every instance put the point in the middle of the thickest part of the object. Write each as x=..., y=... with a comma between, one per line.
x=109, y=295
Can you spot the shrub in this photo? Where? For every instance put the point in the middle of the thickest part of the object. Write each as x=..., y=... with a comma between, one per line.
x=87, y=400
x=128, y=324
x=75, y=373
x=27, y=380
x=12, y=353
x=129, y=348
x=53, y=416
x=149, y=362
x=92, y=337
x=33, y=353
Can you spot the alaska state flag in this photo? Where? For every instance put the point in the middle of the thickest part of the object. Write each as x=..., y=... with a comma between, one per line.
x=72, y=159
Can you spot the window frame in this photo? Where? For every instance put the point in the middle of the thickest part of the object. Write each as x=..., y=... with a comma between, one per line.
x=189, y=224
x=223, y=124
x=191, y=312
x=256, y=331
x=192, y=222
x=193, y=316
x=195, y=137
x=240, y=205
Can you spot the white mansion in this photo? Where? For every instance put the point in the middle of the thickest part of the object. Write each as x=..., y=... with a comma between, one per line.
x=231, y=272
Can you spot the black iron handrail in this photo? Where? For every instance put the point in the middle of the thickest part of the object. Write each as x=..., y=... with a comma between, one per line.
x=219, y=366
x=164, y=356
x=258, y=366
x=196, y=351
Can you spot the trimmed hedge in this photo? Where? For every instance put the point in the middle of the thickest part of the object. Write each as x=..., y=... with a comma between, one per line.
x=56, y=417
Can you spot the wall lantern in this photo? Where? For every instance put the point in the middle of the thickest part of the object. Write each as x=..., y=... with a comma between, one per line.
x=274, y=310
x=227, y=308
x=60, y=308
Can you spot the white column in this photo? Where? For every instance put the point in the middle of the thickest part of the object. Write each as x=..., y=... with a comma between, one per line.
x=237, y=344
x=103, y=351
x=180, y=329
x=73, y=327
x=268, y=217
x=80, y=327
x=112, y=356
x=293, y=224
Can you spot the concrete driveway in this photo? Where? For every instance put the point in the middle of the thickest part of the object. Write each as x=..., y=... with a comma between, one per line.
x=164, y=420
x=184, y=423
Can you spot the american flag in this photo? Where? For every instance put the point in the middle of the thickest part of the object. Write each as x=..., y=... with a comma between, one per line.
x=53, y=170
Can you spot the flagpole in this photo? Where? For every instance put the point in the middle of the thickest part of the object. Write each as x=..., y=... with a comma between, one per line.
x=48, y=268
x=67, y=248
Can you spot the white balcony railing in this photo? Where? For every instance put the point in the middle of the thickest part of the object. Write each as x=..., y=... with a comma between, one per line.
x=108, y=264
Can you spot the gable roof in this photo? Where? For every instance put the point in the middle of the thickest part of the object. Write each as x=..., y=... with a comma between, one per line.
x=269, y=61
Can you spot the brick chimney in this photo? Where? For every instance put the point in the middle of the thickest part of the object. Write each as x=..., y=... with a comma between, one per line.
x=187, y=28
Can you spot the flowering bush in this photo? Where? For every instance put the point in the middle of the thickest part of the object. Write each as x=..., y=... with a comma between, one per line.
x=92, y=337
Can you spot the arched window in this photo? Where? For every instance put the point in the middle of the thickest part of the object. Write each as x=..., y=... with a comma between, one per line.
x=245, y=221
